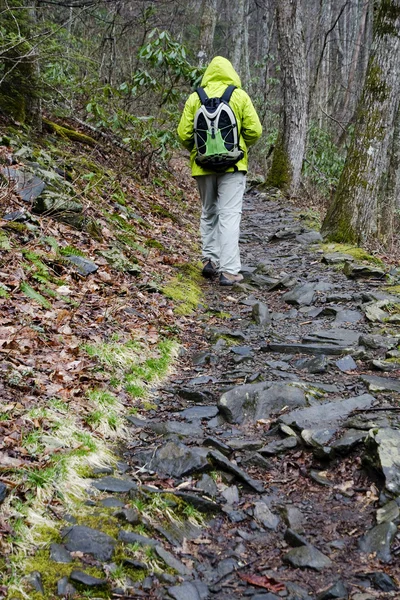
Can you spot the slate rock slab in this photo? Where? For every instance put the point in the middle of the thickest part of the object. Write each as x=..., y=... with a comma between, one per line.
x=378, y=541
x=65, y=589
x=385, y=446
x=381, y=384
x=337, y=591
x=84, y=266
x=347, y=363
x=350, y=439
x=199, y=412
x=114, y=485
x=340, y=337
x=304, y=294
x=307, y=557
x=171, y=561
x=355, y=271
x=278, y=446
x=3, y=492
x=186, y=591
x=34, y=580
x=59, y=554
x=306, y=348
x=388, y=512
x=89, y=541
x=86, y=579
x=176, y=459
x=265, y=516
x=129, y=537
x=27, y=185
x=223, y=462
x=251, y=402
x=327, y=415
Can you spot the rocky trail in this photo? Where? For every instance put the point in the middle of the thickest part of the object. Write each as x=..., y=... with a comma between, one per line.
x=270, y=466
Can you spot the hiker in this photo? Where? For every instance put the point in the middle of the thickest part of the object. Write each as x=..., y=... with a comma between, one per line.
x=218, y=124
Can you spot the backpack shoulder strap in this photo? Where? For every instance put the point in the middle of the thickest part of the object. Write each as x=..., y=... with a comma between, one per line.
x=202, y=95
x=226, y=96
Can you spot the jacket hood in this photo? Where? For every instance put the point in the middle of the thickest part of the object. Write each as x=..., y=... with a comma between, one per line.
x=221, y=70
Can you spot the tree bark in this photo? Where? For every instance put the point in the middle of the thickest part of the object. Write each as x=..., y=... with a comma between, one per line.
x=289, y=150
x=363, y=200
x=207, y=30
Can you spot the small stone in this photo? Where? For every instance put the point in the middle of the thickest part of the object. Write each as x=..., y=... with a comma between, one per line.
x=295, y=592
x=261, y=314
x=336, y=591
x=347, y=363
x=34, y=580
x=316, y=365
x=130, y=515
x=382, y=581
x=199, y=412
x=278, y=446
x=186, y=591
x=389, y=512
x=207, y=485
x=176, y=459
x=293, y=518
x=171, y=561
x=65, y=589
x=89, y=541
x=294, y=539
x=112, y=484
x=84, y=266
x=86, y=579
x=350, y=439
x=231, y=495
x=59, y=554
x=321, y=478
x=112, y=502
x=222, y=461
x=263, y=515
x=129, y=537
x=3, y=492
x=378, y=541
x=307, y=556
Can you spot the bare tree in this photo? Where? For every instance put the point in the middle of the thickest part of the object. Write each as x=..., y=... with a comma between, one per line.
x=364, y=200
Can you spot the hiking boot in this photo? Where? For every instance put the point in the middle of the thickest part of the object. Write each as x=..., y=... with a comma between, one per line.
x=229, y=278
x=209, y=269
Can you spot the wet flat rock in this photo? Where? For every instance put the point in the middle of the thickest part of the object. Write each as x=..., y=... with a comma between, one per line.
x=307, y=557
x=113, y=484
x=327, y=415
x=89, y=541
x=385, y=445
x=251, y=402
x=176, y=459
x=378, y=541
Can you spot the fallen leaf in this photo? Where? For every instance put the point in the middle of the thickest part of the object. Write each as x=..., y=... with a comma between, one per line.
x=269, y=583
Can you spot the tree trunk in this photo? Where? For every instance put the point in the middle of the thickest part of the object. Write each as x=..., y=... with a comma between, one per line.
x=238, y=25
x=19, y=65
x=289, y=150
x=207, y=29
x=357, y=213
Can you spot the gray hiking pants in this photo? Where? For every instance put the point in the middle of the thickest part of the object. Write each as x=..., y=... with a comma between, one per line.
x=222, y=198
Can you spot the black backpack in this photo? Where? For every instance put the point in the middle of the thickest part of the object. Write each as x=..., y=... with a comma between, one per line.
x=216, y=134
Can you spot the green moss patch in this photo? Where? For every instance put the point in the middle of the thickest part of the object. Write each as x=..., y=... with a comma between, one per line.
x=185, y=289
x=359, y=254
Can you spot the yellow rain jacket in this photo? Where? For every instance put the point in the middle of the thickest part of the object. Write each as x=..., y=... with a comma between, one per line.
x=219, y=74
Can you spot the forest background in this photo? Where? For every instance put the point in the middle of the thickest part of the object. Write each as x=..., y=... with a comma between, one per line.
x=324, y=76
